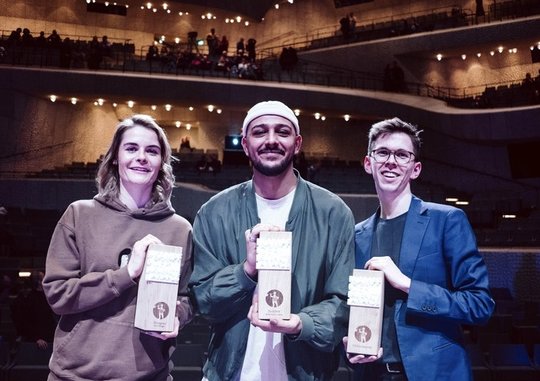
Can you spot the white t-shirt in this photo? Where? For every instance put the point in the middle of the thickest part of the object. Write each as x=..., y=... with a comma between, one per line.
x=265, y=358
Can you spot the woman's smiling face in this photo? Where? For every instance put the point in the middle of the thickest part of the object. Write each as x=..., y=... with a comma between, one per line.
x=139, y=159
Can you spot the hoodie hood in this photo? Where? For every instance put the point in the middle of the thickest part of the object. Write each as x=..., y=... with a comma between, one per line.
x=153, y=211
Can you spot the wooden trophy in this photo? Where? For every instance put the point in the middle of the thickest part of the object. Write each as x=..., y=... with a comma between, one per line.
x=274, y=254
x=158, y=288
x=366, y=298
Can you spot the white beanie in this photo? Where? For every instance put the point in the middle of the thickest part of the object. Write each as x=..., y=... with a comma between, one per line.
x=270, y=108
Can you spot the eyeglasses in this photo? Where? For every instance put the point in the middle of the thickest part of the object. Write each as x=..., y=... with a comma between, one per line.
x=381, y=155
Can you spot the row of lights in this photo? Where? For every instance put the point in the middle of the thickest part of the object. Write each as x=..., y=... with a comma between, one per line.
x=168, y=107
x=206, y=16
x=500, y=49
x=107, y=3
x=459, y=202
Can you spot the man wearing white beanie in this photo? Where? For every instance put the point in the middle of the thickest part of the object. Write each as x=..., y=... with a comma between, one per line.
x=224, y=280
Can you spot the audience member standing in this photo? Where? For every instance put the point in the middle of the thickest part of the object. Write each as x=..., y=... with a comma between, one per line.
x=31, y=314
x=240, y=48
x=345, y=26
x=250, y=48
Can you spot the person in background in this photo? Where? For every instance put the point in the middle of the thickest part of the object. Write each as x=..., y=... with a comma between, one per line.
x=436, y=279
x=96, y=257
x=33, y=318
x=224, y=281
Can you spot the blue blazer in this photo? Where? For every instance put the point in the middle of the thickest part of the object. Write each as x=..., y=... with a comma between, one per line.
x=449, y=287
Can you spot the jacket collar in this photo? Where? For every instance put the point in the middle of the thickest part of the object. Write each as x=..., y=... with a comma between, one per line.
x=414, y=230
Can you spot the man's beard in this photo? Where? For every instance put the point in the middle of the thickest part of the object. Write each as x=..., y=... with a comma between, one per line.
x=273, y=170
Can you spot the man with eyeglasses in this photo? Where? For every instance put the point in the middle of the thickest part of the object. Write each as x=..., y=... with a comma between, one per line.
x=435, y=278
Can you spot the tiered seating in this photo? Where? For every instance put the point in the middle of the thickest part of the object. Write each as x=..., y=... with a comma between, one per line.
x=30, y=363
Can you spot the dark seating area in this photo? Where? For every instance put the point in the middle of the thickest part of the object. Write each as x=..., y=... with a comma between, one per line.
x=485, y=211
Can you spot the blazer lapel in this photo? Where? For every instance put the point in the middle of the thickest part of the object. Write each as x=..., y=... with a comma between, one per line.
x=415, y=228
x=363, y=240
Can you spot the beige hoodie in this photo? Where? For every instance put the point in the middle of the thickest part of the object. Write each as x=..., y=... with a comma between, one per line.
x=95, y=297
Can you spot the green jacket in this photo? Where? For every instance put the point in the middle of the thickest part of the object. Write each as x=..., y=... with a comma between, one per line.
x=323, y=259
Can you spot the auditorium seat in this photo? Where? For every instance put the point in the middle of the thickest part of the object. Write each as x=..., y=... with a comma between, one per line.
x=480, y=369
x=29, y=363
x=188, y=360
x=511, y=362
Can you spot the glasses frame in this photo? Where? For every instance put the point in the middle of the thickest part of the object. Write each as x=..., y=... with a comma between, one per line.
x=393, y=153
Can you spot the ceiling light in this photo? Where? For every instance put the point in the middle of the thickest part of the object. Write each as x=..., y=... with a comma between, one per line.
x=478, y=54
x=492, y=53
x=153, y=107
x=73, y=101
x=276, y=6
x=317, y=116
x=115, y=104
x=462, y=202
x=439, y=57
x=500, y=49
x=178, y=124
x=219, y=111
x=323, y=117
x=100, y=101
x=148, y=5
x=53, y=98
x=165, y=5
x=297, y=111
x=238, y=18
x=463, y=56
x=509, y=216
x=190, y=108
x=188, y=126
x=451, y=199
x=347, y=117
x=168, y=107
x=130, y=104
x=210, y=108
